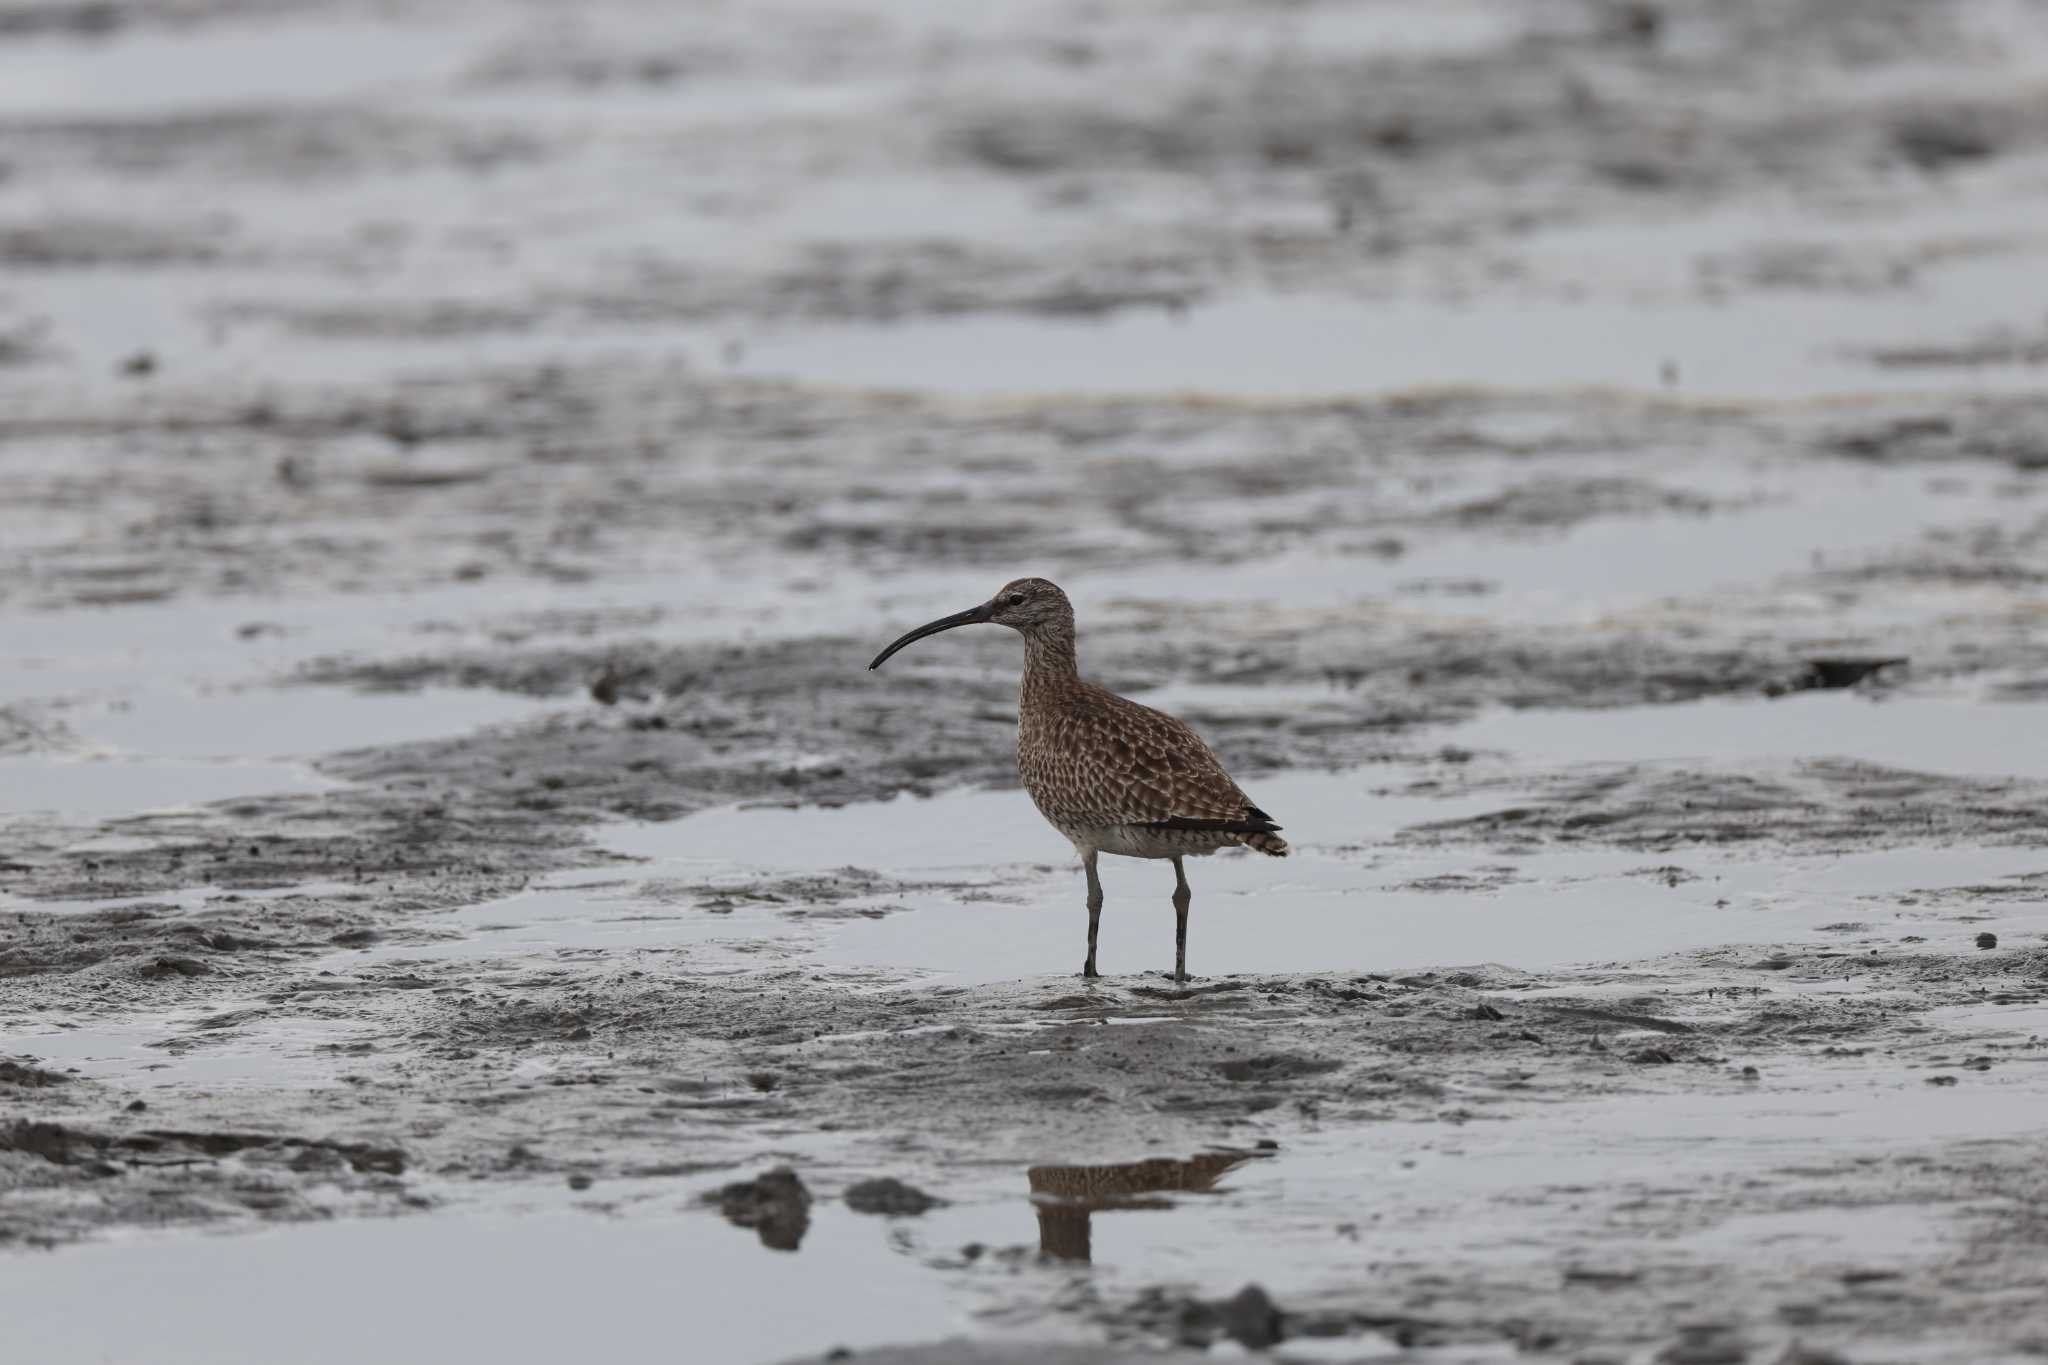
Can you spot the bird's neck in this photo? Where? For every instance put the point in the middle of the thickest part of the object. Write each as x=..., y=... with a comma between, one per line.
x=1049, y=655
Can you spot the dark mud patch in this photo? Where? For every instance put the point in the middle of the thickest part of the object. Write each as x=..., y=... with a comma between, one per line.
x=809, y=894
x=363, y=856
x=2006, y=430
x=70, y=243
x=801, y=721
x=94, y=1152
x=23, y=731
x=1557, y=503
x=888, y=282
x=64, y=1181
x=1995, y=348
x=25, y=1074
x=1805, y=806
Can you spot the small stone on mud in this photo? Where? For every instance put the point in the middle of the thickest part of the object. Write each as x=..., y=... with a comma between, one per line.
x=1833, y=673
x=889, y=1196
x=776, y=1205
x=1796, y=1354
x=136, y=1106
x=1932, y=139
x=1941, y=1080
x=1987, y=940
x=1486, y=1011
x=580, y=1181
x=173, y=966
x=1250, y=1319
x=1704, y=1345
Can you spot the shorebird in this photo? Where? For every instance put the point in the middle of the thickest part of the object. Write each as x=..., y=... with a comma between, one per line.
x=1109, y=774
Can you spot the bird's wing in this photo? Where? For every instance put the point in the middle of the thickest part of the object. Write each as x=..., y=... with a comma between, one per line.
x=1138, y=766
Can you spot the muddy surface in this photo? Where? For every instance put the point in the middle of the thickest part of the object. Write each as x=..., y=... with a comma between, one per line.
x=1582, y=465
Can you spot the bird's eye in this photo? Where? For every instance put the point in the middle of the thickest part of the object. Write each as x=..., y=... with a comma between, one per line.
x=1016, y=599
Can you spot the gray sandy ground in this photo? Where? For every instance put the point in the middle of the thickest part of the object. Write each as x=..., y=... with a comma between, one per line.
x=303, y=488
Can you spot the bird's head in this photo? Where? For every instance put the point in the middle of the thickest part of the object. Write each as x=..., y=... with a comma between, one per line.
x=1028, y=605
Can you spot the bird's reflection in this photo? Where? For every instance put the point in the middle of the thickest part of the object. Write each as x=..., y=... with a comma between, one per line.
x=1067, y=1197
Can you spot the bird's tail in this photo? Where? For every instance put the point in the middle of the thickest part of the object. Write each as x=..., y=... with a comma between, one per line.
x=1253, y=829
x=1270, y=844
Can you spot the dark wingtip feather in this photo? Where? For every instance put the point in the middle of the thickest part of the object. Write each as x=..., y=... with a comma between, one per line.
x=1257, y=823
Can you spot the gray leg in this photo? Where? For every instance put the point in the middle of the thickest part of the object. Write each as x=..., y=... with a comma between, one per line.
x=1094, y=910
x=1181, y=897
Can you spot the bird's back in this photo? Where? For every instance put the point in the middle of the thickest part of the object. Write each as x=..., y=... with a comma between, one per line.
x=1116, y=775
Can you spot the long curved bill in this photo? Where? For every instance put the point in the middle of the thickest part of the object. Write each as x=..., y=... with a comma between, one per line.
x=973, y=616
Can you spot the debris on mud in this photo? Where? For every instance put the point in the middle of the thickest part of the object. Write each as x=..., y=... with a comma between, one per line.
x=888, y=1196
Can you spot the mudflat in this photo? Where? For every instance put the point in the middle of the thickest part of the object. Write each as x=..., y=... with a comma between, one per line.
x=1582, y=466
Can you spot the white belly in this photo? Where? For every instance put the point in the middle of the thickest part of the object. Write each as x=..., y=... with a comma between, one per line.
x=1130, y=841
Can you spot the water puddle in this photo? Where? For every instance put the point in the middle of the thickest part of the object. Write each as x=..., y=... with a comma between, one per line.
x=187, y=1049
x=581, y=920
x=169, y=748
x=605, y=1287
x=1924, y=734
x=2007, y=1024
x=211, y=68
x=87, y=788
x=1775, y=347
x=293, y=721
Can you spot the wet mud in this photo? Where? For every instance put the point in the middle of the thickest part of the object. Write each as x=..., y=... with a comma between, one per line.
x=1578, y=464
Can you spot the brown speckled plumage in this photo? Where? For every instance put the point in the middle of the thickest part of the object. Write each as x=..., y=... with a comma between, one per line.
x=1109, y=774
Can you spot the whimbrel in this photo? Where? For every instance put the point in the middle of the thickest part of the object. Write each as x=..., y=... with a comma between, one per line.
x=1109, y=774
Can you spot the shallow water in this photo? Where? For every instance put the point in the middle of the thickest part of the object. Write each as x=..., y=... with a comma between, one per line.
x=92, y=788
x=210, y=69
x=537, y=1288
